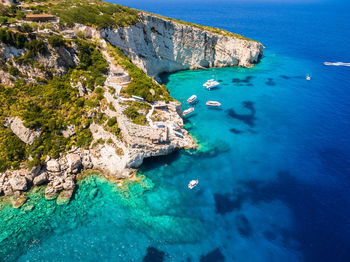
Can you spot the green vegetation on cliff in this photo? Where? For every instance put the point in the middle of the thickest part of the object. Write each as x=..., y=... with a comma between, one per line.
x=141, y=84
x=49, y=106
x=92, y=13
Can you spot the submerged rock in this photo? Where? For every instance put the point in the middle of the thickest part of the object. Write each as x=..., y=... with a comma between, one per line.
x=50, y=192
x=64, y=197
x=28, y=208
x=18, y=202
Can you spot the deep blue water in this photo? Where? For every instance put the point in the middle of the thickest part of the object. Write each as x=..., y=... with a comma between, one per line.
x=274, y=163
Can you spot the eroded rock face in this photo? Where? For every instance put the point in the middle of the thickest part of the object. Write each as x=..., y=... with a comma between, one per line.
x=159, y=45
x=74, y=163
x=25, y=134
x=50, y=192
x=41, y=179
x=18, y=182
x=53, y=166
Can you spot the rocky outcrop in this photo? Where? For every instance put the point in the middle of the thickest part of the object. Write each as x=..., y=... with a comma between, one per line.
x=25, y=134
x=56, y=61
x=160, y=45
x=18, y=182
x=41, y=179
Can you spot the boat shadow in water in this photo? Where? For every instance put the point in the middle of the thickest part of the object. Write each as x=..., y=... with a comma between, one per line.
x=194, y=102
x=216, y=108
x=248, y=119
x=187, y=118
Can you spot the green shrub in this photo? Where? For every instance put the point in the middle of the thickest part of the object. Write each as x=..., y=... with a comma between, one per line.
x=141, y=84
x=111, y=107
x=56, y=41
x=135, y=116
x=12, y=150
x=14, y=71
x=112, y=121
x=25, y=28
x=100, y=14
x=84, y=138
x=15, y=39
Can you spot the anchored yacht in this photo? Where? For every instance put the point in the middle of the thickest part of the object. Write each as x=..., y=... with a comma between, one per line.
x=191, y=99
x=192, y=184
x=213, y=103
x=210, y=84
x=187, y=111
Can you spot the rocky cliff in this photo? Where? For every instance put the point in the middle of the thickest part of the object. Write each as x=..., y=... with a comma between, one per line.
x=65, y=96
x=160, y=45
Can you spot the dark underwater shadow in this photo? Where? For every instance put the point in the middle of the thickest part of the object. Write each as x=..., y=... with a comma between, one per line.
x=245, y=118
x=213, y=256
x=285, y=77
x=214, y=108
x=236, y=131
x=243, y=226
x=243, y=82
x=270, y=82
x=153, y=255
x=164, y=77
x=187, y=118
x=151, y=163
x=209, y=150
x=316, y=224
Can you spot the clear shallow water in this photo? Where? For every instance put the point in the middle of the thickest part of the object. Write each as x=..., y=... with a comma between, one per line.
x=274, y=164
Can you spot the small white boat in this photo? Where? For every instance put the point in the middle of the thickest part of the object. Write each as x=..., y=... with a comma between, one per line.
x=191, y=99
x=192, y=184
x=187, y=111
x=336, y=64
x=308, y=78
x=213, y=103
x=210, y=84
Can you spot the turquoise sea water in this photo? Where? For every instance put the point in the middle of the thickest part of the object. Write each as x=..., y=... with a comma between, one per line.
x=273, y=166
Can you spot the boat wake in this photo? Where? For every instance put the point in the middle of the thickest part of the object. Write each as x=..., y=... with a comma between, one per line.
x=336, y=64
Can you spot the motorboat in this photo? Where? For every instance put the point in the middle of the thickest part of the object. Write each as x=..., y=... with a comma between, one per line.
x=192, y=184
x=187, y=111
x=210, y=84
x=191, y=99
x=213, y=103
x=336, y=64
x=308, y=78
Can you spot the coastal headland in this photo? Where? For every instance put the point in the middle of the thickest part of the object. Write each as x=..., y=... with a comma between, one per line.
x=79, y=90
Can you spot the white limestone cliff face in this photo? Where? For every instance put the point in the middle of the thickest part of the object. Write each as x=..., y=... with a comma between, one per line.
x=159, y=45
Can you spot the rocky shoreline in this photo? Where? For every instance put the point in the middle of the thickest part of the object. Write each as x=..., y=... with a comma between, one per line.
x=148, y=44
